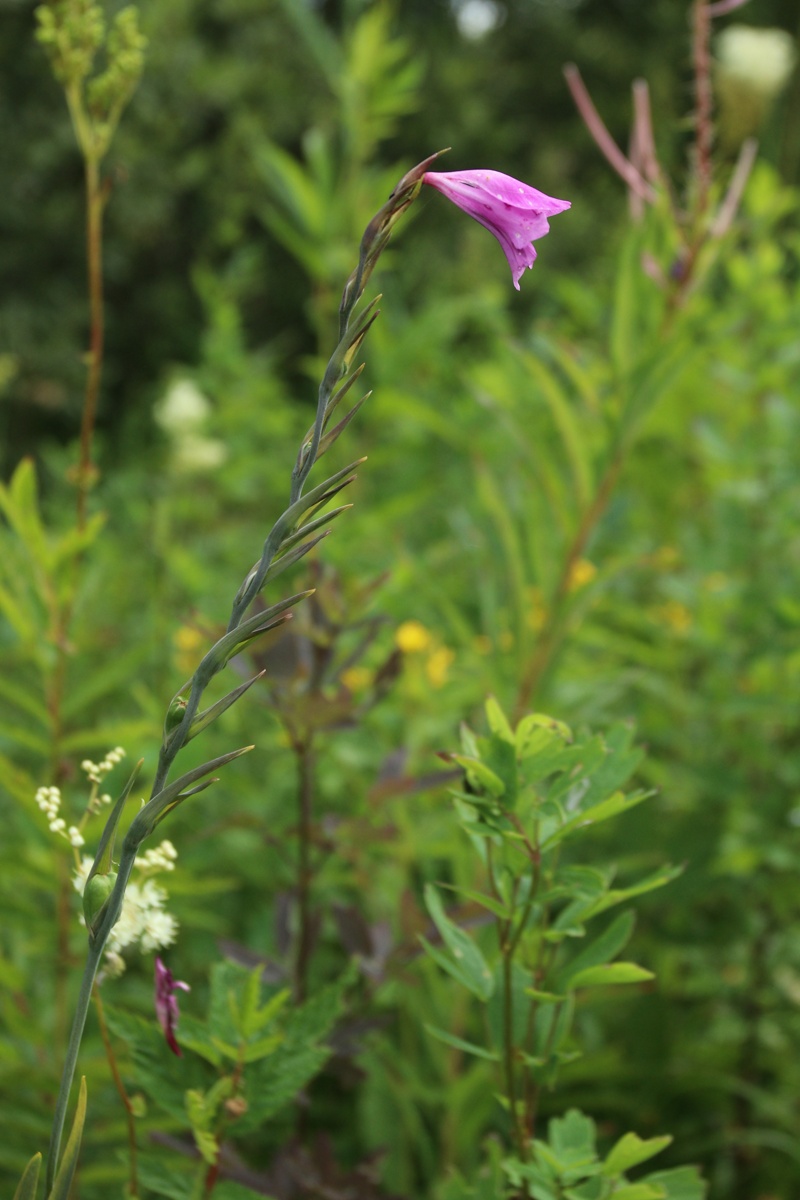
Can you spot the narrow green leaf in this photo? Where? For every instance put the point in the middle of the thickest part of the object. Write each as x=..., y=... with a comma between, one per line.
x=29, y=1183
x=610, y=973
x=205, y=718
x=279, y=565
x=470, y=964
x=489, y=902
x=613, y=939
x=459, y=1044
x=448, y=964
x=169, y=797
x=497, y=720
x=658, y=879
x=69, y=1159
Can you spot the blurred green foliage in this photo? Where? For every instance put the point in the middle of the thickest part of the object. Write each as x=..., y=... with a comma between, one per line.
x=262, y=138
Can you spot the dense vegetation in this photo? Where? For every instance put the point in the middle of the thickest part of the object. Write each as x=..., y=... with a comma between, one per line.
x=580, y=499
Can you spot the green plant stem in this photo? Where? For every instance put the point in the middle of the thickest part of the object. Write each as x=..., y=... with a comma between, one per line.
x=68, y=1073
x=133, y=1183
x=94, y=264
x=304, y=752
x=93, y=958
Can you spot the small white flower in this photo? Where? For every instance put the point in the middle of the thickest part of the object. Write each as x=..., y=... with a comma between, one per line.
x=198, y=454
x=75, y=836
x=58, y=825
x=761, y=59
x=162, y=929
x=184, y=408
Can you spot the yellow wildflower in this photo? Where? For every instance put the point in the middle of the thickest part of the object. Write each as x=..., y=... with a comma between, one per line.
x=582, y=572
x=665, y=558
x=412, y=636
x=437, y=666
x=537, y=613
x=675, y=615
x=187, y=641
x=355, y=679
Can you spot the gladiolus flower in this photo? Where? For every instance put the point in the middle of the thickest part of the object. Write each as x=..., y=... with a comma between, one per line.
x=514, y=212
x=167, y=1004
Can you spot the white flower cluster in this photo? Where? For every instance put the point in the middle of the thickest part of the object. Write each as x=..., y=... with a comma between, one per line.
x=144, y=920
x=49, y=801
x=96, y=772
x=160, y=858
x=182, y=414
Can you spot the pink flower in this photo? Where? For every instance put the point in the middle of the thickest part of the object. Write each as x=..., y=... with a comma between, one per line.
x=514, y=212
x=167, y=1004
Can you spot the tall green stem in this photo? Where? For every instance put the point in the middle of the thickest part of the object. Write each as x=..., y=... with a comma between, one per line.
x=68, y=1073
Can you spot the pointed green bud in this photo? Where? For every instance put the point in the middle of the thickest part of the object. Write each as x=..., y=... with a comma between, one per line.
x=174, y=714
x=95, y=896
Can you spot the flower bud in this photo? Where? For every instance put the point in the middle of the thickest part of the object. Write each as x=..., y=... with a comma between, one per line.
x=95, y=895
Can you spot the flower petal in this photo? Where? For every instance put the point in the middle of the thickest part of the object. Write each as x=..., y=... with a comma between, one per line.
x=516, y=213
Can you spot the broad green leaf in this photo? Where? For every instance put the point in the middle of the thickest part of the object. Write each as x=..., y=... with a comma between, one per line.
x=631, y=1150
x=639, y=1191
x=479, y=775
x=680, y=1183
x=470, y=965
x=613, y=939
x=610, y=973
x=28, y=1184
x=459, y=1044
x=62, y=1183
x=572, y=1137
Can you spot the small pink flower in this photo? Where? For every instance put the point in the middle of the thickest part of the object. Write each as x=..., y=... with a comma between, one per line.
x=167, y=1004
x=514, y=212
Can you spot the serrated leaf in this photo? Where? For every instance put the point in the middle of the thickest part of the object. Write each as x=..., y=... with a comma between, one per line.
x=164, y=1180
x=261, y=1048
x=458, y=1043
x=610, y=973
x=631, y=1150
x=193, y=1035
x=29, y=1181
